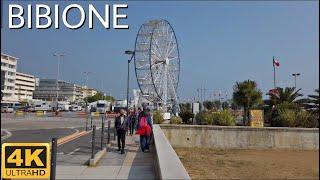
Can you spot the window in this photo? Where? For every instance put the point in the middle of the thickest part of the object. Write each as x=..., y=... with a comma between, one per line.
x=12, y=66
x=11, y=73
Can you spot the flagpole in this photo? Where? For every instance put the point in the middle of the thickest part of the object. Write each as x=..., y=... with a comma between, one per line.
x=274, y=73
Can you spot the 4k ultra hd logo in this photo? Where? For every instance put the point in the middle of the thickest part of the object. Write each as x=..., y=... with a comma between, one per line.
x=25, y=160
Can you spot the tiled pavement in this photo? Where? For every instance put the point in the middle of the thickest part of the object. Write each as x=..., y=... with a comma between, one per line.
x=134, y=164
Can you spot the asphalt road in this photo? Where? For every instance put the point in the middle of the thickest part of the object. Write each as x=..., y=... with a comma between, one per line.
x=38, y=135
x=41, y=129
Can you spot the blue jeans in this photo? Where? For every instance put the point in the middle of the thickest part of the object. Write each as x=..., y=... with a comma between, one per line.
x=144, y=142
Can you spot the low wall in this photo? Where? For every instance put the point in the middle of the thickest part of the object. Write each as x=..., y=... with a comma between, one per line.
x=240, y=137
x=168, y=164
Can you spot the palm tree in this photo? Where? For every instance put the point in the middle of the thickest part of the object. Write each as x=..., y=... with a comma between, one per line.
x=312, y=103
x=287, y=94
x=247, y=95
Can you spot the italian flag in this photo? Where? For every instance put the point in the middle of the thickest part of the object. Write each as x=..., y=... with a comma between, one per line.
x=276, y=63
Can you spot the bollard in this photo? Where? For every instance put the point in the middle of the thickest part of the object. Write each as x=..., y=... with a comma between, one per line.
x=102, y=132
x=114, y=133
x=93, y=141
x=87, y=124
x=108, y=140
x=53, y=158
x=91, y=122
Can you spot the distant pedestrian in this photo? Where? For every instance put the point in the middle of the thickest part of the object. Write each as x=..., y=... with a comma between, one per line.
x=121, y=125
x=132, y=121
x=144, y=129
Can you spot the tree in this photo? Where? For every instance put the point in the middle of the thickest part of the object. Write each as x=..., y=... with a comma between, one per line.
x=225, y=105
x=312, y=103
x=208, y=105
x=217, y=104
x=287, y=94
x=185, y=106
x=247, y=95
x=186, y=116
x=99, y=96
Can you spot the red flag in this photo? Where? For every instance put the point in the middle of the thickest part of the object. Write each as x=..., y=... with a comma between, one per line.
x=274, y=92
x=276, y=63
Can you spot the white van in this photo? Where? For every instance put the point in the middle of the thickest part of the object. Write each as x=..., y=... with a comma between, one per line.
x=42, y=106
x=102, y=106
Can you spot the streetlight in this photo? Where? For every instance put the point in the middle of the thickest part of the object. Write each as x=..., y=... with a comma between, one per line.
x=86, y=73
x=59, y=56
x=128, y=52
x=295, y=79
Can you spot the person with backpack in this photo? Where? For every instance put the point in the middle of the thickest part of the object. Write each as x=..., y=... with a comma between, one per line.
x=144, y=129
x=121, y=125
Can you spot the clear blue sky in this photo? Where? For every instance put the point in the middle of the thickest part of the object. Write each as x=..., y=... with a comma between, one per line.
x=220, y=43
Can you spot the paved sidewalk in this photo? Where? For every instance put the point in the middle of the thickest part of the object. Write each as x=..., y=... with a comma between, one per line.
x=134, y=164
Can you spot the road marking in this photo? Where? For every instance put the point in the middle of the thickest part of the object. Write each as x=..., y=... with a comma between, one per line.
x=71, y=137
x=77, y=149
x=60, y=153
x=8, y=134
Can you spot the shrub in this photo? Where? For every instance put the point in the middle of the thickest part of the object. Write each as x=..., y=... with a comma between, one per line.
x=175, y=120
x=157, y=117
x=286, y=118
x=283, y=115
x=186, y=116
x=290, y=115
x=306, y=119
x=204, y=118
x=223, y=118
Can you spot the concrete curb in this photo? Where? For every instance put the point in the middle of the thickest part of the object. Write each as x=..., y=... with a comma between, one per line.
x=168, y=164
x=97, y=157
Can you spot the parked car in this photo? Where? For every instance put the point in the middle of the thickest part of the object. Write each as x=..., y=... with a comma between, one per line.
x=75, y=108
x=7, y=109
x=93, y=109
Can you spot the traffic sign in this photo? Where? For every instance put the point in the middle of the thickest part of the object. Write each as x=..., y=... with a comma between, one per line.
x=25, y=160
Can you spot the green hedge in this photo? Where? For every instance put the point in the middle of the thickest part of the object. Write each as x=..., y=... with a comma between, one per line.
x=223, y=118
x=157, y=117
x=175, y=120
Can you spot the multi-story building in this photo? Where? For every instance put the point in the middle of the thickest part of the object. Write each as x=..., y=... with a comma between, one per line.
x=24, y=86
x=88, y=92
x=8, y=78
x=47, y=90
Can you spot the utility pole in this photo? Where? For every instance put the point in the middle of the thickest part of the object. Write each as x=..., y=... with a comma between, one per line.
x=86, y=73
x=198, y=91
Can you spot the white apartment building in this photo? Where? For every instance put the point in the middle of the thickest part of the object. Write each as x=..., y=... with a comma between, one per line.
x=67, y=91
x=88, y=92
x=24, y=86
x=8, y=78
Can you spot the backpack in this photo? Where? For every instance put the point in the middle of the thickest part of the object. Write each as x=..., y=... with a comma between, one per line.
x=144, y=128
x=143, y=122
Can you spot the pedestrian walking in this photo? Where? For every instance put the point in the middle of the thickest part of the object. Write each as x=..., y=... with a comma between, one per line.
x=132, y=121
x=144, y=129
x=121, y=125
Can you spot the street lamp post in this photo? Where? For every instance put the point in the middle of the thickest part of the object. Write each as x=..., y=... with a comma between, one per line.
x=87, y=77
x=128, y=77
x=295, y=75
x=59, y=56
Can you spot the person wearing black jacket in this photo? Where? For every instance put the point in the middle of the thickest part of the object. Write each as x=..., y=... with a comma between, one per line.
x=121, y=125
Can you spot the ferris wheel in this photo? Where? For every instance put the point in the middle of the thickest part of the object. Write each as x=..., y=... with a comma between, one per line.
x=157, y=62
